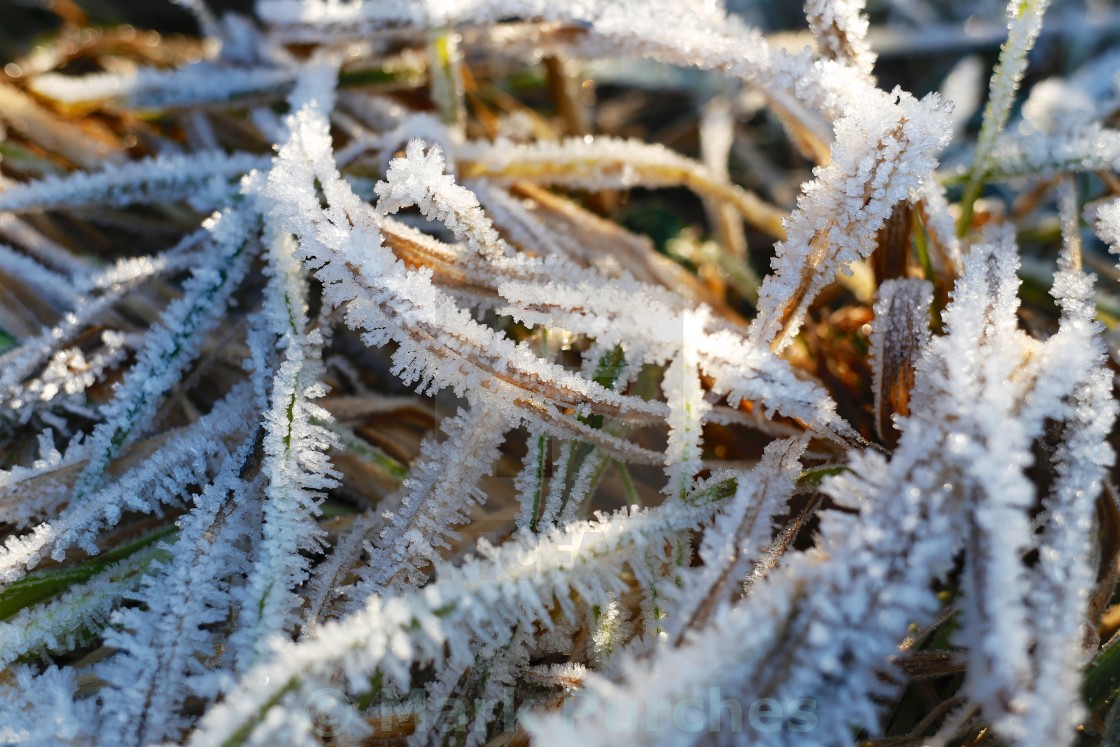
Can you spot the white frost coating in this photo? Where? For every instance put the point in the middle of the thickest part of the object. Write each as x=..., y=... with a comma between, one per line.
x=169, y=347
x=42, y=709
x=327, y=579
x=295, y=462
x=206, y=180
x=27, y=491
x=1089, y=147
x=993, y=452
x=158, y=645
x=1024, y=22
x=883, y=152
x=1059, y=595
x=738, y=536
x=510, y=585
x=436, y=496
x=418, y=179
x=202, y=82
x=687, y=34
x=740, y=370
x=439, y=344
x=69, y=373
x=204, y=628
x=530, y=482
x=822, y=625
x=298, y=470
x=115, y=281
x=172, y=343
x=1107, y=224
x=945, y=247
x=161, y=478
x=687, y=407
x=50, y=625
x=841, y=32
x=27, y=270
x=422, y=13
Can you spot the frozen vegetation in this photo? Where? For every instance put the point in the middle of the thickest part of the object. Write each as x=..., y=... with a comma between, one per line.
x=343, y=399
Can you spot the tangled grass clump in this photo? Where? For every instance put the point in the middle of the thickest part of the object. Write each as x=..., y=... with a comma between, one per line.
x=508, y=371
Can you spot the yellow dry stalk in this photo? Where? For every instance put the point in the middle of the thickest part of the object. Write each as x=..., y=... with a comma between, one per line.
x=755, y=211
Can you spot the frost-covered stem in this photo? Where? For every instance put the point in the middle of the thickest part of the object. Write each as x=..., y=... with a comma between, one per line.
x=603, y=309
x=172, y=344
x=687, y=408
x=998, y=495
x=591, y=466
x=1059, y=599
x=470, y=611
x=944, y=246
x=113, y=283
x=207, y=180
x=741, y=532
x=30, y=272
x=581, y=464
x=822, y=624
x=1024, y=22
x=158, y=644
x=530, y=483
x=438, y=343
x=611, y=163
x=1086, y=148
x=686, y=34
x=205, y=82
x=169, y=347
x=44, y=708
x=143, y=488
x=883, y=151
x=419, y=179
x=1065, y=575
x=437, y=495
x=840, y=29
x=328, y=575
x=295, y=463
x=561, y=467
x=79, y=611
x=995, y=624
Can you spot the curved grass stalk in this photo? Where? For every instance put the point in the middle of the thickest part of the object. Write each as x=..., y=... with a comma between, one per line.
x=611, y=163
x=1025, y=22
x=883, y=152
